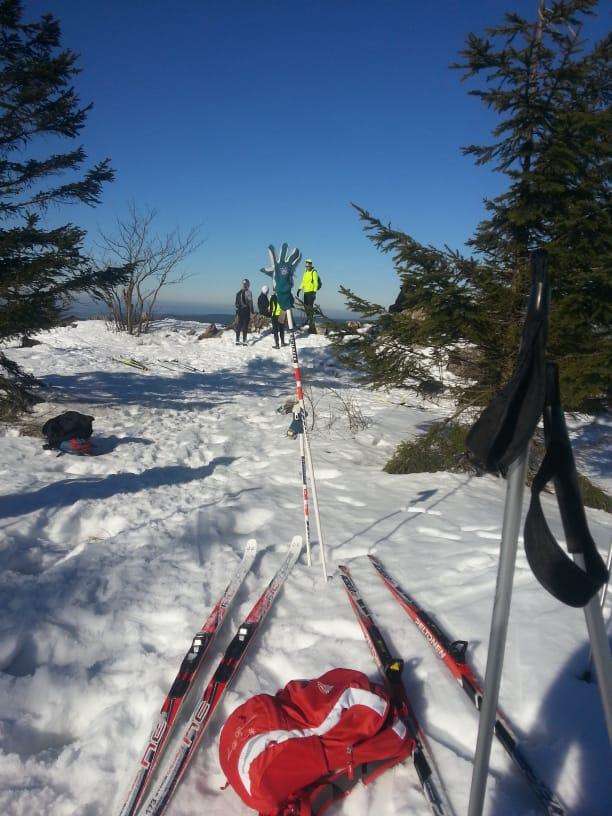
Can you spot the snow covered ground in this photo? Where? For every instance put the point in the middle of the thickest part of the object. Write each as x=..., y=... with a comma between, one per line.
x=110, y=564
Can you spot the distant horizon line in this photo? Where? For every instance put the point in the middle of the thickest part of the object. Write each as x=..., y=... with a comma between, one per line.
x=91, y=309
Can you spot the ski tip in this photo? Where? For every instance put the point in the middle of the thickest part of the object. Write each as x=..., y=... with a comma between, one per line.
x=251, y=547
x=296, y=544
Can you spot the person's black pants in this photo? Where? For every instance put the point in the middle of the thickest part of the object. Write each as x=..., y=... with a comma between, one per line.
x=278, y=328
x=243, y=317
x=309, y=299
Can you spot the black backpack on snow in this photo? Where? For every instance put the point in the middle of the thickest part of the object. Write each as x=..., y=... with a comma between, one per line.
x=69, y=425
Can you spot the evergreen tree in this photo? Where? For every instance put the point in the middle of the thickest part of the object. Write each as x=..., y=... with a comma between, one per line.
x=552, y=142
x=41, y=268
x=437, y=309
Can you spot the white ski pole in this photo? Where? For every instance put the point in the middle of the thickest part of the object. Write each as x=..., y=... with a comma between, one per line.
x=600, y=651
x=499, y=628
x=297, y=430
x=517, y=472
x=304, y=439
x=587, y=675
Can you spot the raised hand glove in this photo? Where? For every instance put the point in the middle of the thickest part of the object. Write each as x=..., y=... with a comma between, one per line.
x=282, y=271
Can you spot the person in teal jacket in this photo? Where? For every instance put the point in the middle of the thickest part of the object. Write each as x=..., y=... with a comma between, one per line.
x=310, y=285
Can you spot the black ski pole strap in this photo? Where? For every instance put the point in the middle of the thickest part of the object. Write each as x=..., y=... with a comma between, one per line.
x=503, y=430
x=553, y=568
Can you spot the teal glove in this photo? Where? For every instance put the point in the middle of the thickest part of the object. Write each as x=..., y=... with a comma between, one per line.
x=282, y=272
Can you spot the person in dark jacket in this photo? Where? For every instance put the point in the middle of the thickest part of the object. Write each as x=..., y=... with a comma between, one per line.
x=263, y=304
x=244, y=310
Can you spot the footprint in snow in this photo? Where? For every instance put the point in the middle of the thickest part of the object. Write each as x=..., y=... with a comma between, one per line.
x=328, y=473
x=475, y=528
x=431, y=531
x=348, y=500
x=494, y=536
x=475, y=562
x=414, y=508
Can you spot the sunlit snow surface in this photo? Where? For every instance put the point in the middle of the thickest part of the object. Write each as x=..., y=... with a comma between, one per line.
x=110, y=564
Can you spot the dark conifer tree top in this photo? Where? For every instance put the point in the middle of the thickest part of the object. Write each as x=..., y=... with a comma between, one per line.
x=41, y=267
x=551, y=91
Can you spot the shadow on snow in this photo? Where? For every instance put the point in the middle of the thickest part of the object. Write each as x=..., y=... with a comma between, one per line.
x=69, y=491
x=260, y=377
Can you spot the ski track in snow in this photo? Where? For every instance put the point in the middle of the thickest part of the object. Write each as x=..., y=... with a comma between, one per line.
x=111, y=563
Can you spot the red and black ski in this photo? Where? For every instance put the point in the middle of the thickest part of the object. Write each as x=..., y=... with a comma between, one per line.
x=183, y=683
x=453, y=654
x=219, y=682
x=391, y=670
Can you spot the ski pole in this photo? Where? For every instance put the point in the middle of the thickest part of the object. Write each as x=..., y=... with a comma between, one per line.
x=600, y=650
x=296, y=429
x=587, y=674
x=580, y=544
x=304, y=439
x=305, y=497
x=499, y=627
x=537, y=310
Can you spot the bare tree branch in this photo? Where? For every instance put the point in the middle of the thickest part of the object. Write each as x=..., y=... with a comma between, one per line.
x=156, y=262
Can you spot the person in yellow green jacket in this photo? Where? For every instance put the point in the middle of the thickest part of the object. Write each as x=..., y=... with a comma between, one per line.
x=310, y=285
x=279, y=317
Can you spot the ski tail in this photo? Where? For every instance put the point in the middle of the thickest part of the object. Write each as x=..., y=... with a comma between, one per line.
x=219, y=682
x=184, y=681
x=179, y=365
x=453, y=654
x=391, y=668
x=129, y=361
x=167, y=367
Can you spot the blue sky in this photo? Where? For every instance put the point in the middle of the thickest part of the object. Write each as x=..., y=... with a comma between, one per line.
x=261, y=121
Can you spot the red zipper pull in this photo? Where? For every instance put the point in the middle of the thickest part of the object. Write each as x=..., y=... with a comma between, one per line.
x=349, y=756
